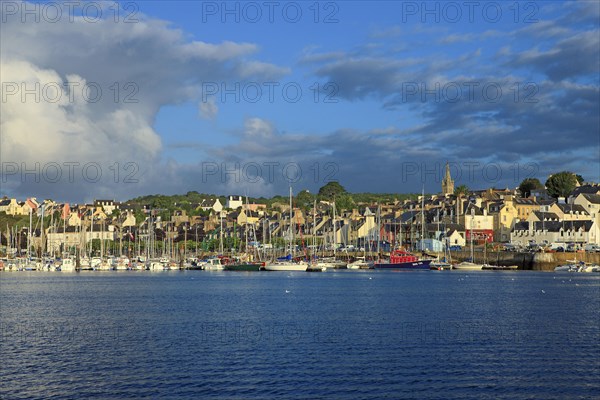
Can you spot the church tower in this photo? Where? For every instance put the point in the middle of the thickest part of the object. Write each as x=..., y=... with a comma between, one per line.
x=447, y=182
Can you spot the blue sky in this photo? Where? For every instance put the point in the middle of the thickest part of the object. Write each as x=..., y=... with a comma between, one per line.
x=390, y=92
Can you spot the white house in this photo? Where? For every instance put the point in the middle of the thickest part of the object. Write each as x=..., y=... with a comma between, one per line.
x=234, y=202
x=546, y=232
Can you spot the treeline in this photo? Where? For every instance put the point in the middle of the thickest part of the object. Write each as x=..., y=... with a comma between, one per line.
x=332, y=191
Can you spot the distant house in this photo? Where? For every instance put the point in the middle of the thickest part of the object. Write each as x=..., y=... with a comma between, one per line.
x=10, y=207
x=234, y=202
x=546, y=232
x=478, y=224
x=588, y=188
x=591, y=204
x=108, y=206
x=455, y=237
x=570, y=212
x=248, y=217
x=211, y=204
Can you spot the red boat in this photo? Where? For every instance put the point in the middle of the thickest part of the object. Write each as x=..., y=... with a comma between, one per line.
x=402, y=259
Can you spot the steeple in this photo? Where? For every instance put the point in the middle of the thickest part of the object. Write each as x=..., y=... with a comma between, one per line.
x=447, y=182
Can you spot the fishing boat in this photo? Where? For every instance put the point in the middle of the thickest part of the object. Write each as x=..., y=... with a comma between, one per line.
x=402, y=259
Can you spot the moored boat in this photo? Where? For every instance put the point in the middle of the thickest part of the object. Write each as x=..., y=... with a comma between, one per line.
x=499, y=267
x=439, y=265
x=286, y=266
x=468, y=266
x=360, y=263
x=212, y=264
x=244, y=266
x=402, y=259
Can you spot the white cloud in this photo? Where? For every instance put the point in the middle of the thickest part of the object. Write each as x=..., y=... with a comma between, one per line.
x=208, y=109
x=138, y=67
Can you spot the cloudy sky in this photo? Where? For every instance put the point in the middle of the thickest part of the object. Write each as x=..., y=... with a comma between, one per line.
x=117, y=100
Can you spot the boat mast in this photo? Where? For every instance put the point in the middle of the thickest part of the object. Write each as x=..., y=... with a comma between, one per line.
x=221, y=232
x=438, y=225
x=29, y=234
x=42, y=234
x=291, y=227
x=422, y=247
x=314, y=226
x=401, y=244
x=378, y=231
x=334, y=232
x=472, y=225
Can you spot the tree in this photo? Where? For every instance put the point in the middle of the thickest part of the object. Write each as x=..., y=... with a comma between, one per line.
x=305, y=199
x=344, y=202
x=461, y=190
x=561, y=184
x=579, y=179
x=330, y=190
x=528, y=185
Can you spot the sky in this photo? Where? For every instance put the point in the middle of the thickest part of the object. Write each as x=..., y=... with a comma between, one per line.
x=114, y=100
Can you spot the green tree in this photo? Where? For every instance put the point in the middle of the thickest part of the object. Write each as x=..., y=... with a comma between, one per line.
x=561, y=184
x=305, y=199
x=461, y=190
x=579, y=179
x=528, y=185
x=139, y=217
x=344, y=202
x=331, y=190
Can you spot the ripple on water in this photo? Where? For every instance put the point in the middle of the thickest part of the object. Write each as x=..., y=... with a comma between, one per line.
x=338, y=335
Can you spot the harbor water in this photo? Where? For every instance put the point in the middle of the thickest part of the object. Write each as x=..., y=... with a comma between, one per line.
x=339, y=334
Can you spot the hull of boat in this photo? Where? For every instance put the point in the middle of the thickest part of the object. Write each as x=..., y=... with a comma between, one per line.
x=244, y=267
x=500, y=267
x=214, y=268
x=412, y=265
x=440, y=266
x=466, y=266
x=286, y=267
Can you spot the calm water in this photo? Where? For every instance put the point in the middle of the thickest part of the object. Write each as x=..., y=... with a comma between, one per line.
x=347, y=334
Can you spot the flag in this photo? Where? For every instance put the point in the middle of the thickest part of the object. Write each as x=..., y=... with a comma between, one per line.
x=66, y=211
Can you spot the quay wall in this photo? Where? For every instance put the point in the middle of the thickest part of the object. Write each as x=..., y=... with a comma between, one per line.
x=527, y=261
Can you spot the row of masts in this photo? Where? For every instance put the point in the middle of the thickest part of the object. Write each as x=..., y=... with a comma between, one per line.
x=169, y=248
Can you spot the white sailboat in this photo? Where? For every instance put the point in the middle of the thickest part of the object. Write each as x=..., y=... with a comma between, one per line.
x=470, y=265
x=288, y=263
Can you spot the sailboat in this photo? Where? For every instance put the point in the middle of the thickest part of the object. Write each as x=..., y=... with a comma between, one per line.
x=470, y=265
x=246, y=262
x=287, y=263
x=442, y=264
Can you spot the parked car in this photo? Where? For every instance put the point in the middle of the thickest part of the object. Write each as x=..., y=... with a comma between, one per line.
x=592, y=248
x=573, y=247
x=510, y=247
x=534, y=248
